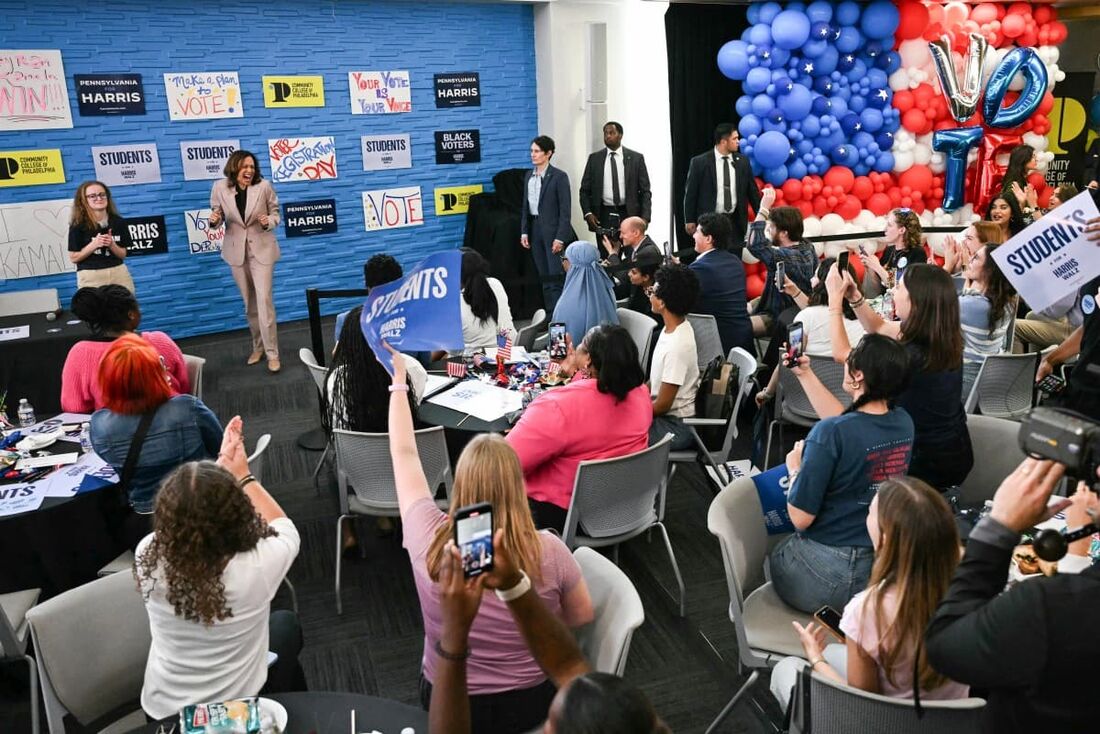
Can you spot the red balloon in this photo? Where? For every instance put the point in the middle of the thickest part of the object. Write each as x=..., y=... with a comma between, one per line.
x=1043, y=13
x=840, y=179
x=903, y=100
x=1013, y=25
x=1058, y=33
x=1046, y=104
x=913, y=21
x=917, y=179
x=1029, y=38
x=831, y=201
x=985, y=12
x=862, y=188
x=754, y=285
x=915, y=121
x=821, y=207
x=791, y=189
x=918, y=205
x=806, y=207
x=895, y=196
x=849, y=208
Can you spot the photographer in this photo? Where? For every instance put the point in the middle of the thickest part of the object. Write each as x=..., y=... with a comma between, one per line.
x=623, y=247
x=1034, y=646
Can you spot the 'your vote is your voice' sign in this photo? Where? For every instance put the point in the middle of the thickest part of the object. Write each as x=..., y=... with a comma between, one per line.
x=419, y=312
x=1052, y=257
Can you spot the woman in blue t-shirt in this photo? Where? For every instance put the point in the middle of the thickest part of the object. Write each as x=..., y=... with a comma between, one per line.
x=835, y=473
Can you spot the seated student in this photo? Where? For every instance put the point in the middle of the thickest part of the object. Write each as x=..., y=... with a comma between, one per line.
x=132, y=384
x=642, y=270
x=604, y=412
x=110, y=311
x=588, y=297
x=835, y=473
x=674, y=371
x=986, y=305
x=509, y=693
x=208, y=573
x=774, y=240
x=484, y=304
x=956, y=254
x=1005, y=212
x=379, y=270
x=721, y=282
x=902, y=236
x=916, y=547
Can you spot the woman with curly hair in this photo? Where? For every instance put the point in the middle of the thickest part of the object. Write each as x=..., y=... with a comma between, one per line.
x=220, y=547
x=902, y=235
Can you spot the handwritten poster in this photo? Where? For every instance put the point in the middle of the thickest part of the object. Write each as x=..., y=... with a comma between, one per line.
x=31, y=167
x=33, y=95
x=393, y=208
x=201, y=237
x=123, y=165
x=302, y=159
x=294, y=91
x=380, y=92
x=203, y=95
x=34, y=238
x=205, y=159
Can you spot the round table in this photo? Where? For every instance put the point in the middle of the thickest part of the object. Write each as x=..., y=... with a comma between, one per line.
x=31, y=367
x=323, y=712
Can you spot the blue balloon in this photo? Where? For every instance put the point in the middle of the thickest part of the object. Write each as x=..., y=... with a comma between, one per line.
x=775, y=176
x=877, y=78
x=857, y=103
x=819, y=11
x=772, y=149
x=880, y=19
x=1094, y=111
x=879, y=98
x=955, y=144
x=733, y=60
x=889, y=62
x=849, y=40
x=872, y=119
x=782, y=82
x=749, y=125
x=864, y=141
x=762, y=104
x=1018, y=60
x=844, y=155
x=820, y=31
x=768, y=11
x=821, y=106
x=796, y=169
x=884, y=139
x=757, y=80
x=840, y=106
x=825, y=64
x=846, y=62
x=780, y=57
x=884, y=162
x=847, y=13
x=753, y=14
x=850, y=123
x=823, y=85
x=814, y=48
x=872, y=49
x=797, y=103
x=760, y=35
x=743, y=106
x=790, y=29
x=858, y=71
x=802, y=147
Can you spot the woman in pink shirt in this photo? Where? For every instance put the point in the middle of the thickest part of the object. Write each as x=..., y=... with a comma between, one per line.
x=110, y=311
x=508, y=691
x=604, y=412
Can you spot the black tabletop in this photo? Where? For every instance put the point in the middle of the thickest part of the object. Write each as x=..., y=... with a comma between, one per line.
x=31, y=368
x=319, y=712
x=437, y=415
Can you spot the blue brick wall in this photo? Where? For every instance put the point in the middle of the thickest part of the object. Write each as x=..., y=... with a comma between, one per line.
x=187, y=294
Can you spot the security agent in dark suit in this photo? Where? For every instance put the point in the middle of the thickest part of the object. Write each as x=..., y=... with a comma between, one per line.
x=544, y=219
x=721, y=180
x=615, y=182
x=632, y=241
x=721, y=283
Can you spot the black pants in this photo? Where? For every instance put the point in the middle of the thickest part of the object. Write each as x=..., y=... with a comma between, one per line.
x=285, y=640
x=943, y=468
x=508, y=712
x=547, y=515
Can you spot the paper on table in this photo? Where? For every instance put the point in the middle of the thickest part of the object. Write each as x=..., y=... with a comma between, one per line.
x=16, y=498
x=53, y=425
x=37, y=462
x=12, y=333
x=435, y=383
x=66, y=481
x=487, y=402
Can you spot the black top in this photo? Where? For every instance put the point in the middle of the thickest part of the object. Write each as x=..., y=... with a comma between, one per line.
x=242, y=201
x=894, y=259
x=934, y=401
x=1086, y=373
x=79, y=236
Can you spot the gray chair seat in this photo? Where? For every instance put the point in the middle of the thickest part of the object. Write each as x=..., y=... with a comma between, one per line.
x=768, y=623
x=16, y=605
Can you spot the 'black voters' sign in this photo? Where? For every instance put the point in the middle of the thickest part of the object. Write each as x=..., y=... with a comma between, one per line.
x=305, y=218
x=457, y=146
x=462, y=89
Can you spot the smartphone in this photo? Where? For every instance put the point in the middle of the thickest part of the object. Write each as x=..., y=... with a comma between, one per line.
x=557, y=347
x=862, y=249
x=842, y=262
x=780, y=274
x=830, y=619
x=474, y=538
x=1052, y=385
x=796, y=344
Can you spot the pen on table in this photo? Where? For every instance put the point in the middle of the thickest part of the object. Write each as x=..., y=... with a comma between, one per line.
x=462, y=421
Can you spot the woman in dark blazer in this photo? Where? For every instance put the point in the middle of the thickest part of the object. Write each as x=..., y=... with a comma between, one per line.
x=249, y=208
x=544, y=222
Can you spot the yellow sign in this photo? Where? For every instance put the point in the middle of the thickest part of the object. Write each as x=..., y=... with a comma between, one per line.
x=294, y=91
x=31, y=167
x=455, y=199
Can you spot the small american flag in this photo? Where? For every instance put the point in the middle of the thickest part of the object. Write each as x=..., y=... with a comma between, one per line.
x=504, y=344
x=554, y=368
x=456, y=367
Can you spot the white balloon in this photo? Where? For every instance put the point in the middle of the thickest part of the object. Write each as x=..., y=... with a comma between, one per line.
x=831, y=224
x=832, y=249
x=915, y=53
x=935, y=241
x=819, y=249
x=899, y=80
x=811, y=227
x=1038, y=142
x=922, y=154
x=865, y=219
x=925, y=218
x=938, y=164
x=903, y=161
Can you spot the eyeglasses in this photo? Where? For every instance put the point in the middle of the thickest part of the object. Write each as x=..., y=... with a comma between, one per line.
x=95, y=196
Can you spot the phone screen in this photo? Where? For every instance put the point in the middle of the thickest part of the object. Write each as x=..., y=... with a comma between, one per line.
x=842, y=262
x=1052, y=384
x=474, y=538
x=780, y=274
x=557, y=346
x=796, y=343
x=831, y=619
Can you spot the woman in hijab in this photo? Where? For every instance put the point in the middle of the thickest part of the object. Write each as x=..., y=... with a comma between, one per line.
x=588, y=298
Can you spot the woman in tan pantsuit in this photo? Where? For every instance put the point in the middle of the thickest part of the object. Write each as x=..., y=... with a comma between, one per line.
x=249, y=208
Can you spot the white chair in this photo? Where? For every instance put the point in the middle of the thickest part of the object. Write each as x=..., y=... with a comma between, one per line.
x=617, y=499
x=17, y=303
x=641, y=329
x=320, y=377
x=708, y=342
x=997, y=453
x=91, y=645
x=525, y=337
x=194, y=373
x=14, y=637
x=363, y=464
x=1005, y=386
x=257, y=461
x=605, y=642
x=761, y=620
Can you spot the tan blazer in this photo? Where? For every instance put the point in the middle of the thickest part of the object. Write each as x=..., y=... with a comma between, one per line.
x=262, y=242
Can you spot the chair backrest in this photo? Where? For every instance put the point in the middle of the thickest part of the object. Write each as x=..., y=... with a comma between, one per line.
x=998, y=453
x=708, y=343
x=736, y=518
x=316, y=371
x=13, y=640
x=618, y=497
x=641, y=329
x=831, y=374
x=835, y=708
x=42, y=300
x=525, y=337
x=791, y=402
x=257, y=463
x=1005, y=386
x=194, y=373
x=363, y=461
x=618, y=612
x=746, y=370
x=91, y=644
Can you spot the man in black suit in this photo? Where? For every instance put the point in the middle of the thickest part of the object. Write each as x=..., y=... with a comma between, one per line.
x=721, y=180
x=544, y=219
x=615, y=182
x=721, y=282
x=632, y=241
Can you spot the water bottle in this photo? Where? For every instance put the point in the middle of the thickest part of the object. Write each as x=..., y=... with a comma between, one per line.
x=26, y=414
x=86, y=437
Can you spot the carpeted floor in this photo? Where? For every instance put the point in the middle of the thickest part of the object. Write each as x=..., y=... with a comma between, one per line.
x=687, y=667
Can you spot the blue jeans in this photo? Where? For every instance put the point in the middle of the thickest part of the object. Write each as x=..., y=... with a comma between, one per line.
x=681, y=434
x=970, y=375
x=807, y=575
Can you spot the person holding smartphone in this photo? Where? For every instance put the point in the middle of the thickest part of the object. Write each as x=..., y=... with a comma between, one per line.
x=916, y=544
x=674, y=373
x=903, y=237
x=99, y=239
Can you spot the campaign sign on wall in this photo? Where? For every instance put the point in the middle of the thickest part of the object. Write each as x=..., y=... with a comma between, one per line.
x=419, y=312
x=33, y=95
x=31, y=167
x=386, y=151
x=148, y=236
x=109, y=94
x=392, y=208
x=302, y=159
x=208, y=95
x=34, y=238
x=457, y=146
x=205, y=159
x=379, y=92
x=458, y=90
x=294, y=91
x=123, y=165
x=201, y=237
x=305, y=218
x=455, y=199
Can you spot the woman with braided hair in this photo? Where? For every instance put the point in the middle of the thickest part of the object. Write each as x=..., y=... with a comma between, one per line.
x=904, y=247
x=835, y=473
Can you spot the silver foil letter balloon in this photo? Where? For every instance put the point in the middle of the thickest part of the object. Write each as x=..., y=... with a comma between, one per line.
x=962, y=100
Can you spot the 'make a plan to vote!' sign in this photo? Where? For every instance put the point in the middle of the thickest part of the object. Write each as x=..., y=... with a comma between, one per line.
x=109, y=94
x=458, y=90
x=457, y=146
x=305, y=218
x=124, y=165
x=148, y=236
x=207, y=95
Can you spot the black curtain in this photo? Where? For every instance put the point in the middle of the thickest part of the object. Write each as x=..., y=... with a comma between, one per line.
x=699, y=96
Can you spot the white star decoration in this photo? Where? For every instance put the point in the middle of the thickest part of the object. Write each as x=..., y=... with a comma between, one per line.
x=882, y=94
x=849, y=59
x=808, y=68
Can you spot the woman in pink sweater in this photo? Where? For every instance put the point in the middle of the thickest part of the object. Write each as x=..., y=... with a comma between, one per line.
x=603, y=413
x=110, y=311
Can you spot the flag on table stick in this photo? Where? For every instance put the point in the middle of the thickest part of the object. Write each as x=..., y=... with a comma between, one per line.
x=504, y=344
x=456, y=367
x=419, y=312
x=554, y=368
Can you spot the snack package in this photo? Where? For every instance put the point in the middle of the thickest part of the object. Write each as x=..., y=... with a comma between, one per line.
x=225, y=717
